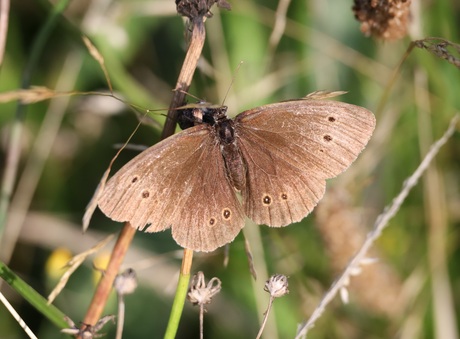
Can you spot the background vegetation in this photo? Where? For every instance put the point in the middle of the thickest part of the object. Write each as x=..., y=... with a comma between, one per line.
x=414, y=289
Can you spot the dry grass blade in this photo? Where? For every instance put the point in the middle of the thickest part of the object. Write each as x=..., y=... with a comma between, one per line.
x=280, y=23
x=99, y=58
x=17, y=317
x=73, y=264
x=247, y=249
x=92, y=205
x=32, y=95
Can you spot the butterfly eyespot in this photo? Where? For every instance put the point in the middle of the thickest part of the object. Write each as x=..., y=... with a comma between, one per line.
x=284, y=196
x=145, y=194
x=133, y=180
x=226, y=213
x=267, y=200
x=327, y=137
x=212, y=222
x=331, y=119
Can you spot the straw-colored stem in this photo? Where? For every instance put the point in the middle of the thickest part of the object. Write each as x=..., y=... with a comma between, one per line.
x=270, y=303
x=201, y=321
x=121, y=317
x=105, y=285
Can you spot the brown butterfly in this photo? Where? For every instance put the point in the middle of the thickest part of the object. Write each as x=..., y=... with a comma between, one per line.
x=277, y=156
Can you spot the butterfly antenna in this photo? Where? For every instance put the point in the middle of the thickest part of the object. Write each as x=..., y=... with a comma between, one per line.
x=188, y=94
x=233, y=81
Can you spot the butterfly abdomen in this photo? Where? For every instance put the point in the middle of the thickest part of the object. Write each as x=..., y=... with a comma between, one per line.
x=234, y=164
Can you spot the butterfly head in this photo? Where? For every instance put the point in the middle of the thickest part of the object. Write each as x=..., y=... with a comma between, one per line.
x=200, y=113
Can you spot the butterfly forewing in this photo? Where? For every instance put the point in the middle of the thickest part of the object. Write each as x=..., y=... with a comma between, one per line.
x=290, y=148
x=179, y=182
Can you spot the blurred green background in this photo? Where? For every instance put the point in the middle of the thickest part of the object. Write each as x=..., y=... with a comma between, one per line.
x=414, y=289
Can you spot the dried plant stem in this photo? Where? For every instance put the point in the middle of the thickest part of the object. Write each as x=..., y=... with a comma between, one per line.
x=379, y=225
x=105, y=285
x=392, y=80
x=17, y=317
x=186, y=74
x=186, y=262
x=121, y=317
x=267, y=312
x=280, y=24
x=201, y=321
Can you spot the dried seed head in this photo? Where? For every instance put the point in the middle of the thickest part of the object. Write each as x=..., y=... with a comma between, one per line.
x=277, y=285
x=385, y=19
x=126, y=282
x=195, y=9
x=200, y=293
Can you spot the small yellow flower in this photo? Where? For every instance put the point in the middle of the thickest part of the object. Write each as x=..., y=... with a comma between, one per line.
x=57, y=261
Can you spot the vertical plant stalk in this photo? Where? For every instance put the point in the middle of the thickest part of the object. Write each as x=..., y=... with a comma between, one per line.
x=186, y=75
x=181, y=294
x=444, y=317
x=4, y=15
x=127, y=234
